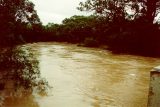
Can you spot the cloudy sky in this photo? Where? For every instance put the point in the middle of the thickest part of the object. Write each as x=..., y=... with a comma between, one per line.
x=56, y=10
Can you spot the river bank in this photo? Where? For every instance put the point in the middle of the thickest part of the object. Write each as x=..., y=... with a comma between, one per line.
x=115, y=50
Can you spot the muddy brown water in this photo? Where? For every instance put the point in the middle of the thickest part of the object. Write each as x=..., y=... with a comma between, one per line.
x=87, y=77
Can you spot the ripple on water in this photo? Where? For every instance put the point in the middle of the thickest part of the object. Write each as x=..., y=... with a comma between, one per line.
x=90, y=77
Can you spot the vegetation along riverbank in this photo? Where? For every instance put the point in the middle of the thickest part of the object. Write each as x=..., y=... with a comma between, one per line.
x=123, y=26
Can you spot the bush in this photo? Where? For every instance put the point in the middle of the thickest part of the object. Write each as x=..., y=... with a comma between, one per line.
x=90, y=42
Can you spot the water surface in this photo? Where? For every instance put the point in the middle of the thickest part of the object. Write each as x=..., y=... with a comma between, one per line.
x=89, y=77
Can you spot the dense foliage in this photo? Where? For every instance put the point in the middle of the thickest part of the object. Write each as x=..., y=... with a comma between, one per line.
x=15, y=17
x=127, y=9
x=135, y=37
x=134, y=24
x=129, y=26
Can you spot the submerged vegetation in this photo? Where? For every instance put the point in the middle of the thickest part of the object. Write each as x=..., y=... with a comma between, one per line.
x=19, y=75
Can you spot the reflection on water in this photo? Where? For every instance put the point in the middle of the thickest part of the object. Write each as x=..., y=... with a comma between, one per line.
x=19, y=78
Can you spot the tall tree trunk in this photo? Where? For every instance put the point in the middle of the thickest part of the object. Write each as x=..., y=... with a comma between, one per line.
x=151, y=10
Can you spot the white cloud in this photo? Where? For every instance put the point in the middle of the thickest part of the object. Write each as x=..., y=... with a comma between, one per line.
x=56, y=10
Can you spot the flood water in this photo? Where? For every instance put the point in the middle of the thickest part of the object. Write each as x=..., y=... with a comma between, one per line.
x=77, y=77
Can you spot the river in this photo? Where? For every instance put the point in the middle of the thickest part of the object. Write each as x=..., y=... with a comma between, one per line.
x=88, y=77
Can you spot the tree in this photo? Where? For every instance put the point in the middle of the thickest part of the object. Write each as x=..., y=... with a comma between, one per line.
x=13, y=15
x=79, y=27
x=106, y=8
x=130, y=24
x=153, y=7
x=128, y=9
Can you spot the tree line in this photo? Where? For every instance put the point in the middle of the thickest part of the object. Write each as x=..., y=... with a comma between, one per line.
x=123, y=26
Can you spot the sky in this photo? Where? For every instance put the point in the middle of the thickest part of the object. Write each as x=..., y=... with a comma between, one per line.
x=56, y=10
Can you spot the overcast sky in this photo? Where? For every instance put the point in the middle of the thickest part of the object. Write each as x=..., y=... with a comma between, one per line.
x=56, y=10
